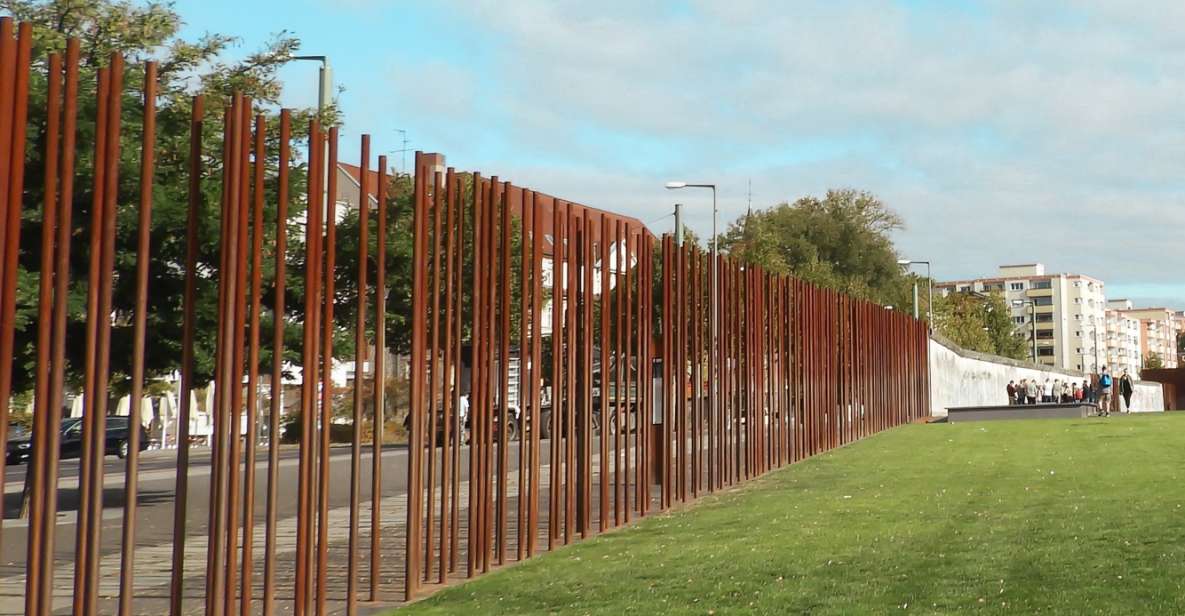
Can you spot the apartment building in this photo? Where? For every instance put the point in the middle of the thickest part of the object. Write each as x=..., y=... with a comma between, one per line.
x=1122, y=338
x=1066, y=313
x=1158, y=328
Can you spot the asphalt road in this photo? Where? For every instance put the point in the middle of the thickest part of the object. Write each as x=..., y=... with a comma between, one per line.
x=157, y=495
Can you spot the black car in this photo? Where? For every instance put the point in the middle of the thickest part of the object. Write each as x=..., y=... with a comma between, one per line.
x=19, y=444
x=71, y=440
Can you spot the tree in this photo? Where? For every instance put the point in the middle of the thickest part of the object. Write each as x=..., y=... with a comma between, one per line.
x=841, y=241
x=979, y=323
x=1153, y=361
x=186, y=67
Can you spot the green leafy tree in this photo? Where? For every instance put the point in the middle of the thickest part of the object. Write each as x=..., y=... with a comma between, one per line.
x=979, y=322
x=841, y=241
x=186, y=67
x=1153, y=361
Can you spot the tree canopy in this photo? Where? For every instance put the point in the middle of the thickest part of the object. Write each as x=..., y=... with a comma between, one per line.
x=841, y=241
x=142, y=32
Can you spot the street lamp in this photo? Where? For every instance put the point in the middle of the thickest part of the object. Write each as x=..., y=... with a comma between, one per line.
x=714, y=314
x=1033, y=321
x=929, y=290
x=324, y=80
x=324, y=93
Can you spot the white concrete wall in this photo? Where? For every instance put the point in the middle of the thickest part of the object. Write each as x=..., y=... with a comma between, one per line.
x=962, y=378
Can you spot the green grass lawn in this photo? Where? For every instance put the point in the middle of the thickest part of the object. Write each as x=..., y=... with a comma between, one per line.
x=1048, y=516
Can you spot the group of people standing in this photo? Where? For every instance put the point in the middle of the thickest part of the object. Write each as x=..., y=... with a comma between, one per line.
x=1033, y=391
x=1055, y=391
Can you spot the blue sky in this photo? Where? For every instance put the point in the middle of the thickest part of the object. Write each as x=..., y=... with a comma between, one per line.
x=1001, y=131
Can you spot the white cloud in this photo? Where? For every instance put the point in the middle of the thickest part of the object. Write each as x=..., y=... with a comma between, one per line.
x=1048, y=132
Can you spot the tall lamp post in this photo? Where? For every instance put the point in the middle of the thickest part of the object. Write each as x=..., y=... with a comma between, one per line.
x=1032, y=320
x=713, y=314
x=929, y=290
x=324, y=97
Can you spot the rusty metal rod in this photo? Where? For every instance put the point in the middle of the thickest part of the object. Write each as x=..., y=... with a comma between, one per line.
x=275, y=403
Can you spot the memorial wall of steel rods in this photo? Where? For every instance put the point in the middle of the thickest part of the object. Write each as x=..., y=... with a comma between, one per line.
x=569, y=372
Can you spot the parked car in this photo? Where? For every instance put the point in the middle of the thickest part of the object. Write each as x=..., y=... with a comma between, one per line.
x=20, y=445
x=20, y=448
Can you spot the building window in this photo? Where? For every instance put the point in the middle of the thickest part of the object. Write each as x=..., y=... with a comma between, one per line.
x=1018, y=320
x=1018, y=286
x=1045, y=352
x=1043, y=301
x=964, y=288
x=1045, y=318
x=1043, y=284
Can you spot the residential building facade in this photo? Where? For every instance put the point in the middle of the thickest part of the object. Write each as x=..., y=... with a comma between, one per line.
x=1159, y=328
x=1122, y=339
x=1065, y=313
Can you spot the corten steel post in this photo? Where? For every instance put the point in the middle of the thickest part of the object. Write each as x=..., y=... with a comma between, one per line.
x=557, y=365
x=215, y=553
x=434, y=260
x=193, y=213
x=536, y=204
x=494, y=254
x=619, y=358
x=238, y=307
x=327, y=323
x=567, y=428
x=526, y=246
x=36, y=478
x=458, y=372
x=379, y=383
x=586, y=435
x=415, y=403
x=449, y=382
x=359, y=379
x=628, y=353
x=663, y=450
x=132, y=472
x=49, y=463
x=12, y=135
x=308, y=376
x=605, y=340
x=504, y=378
x=477, y=298
x=277, y=376
x=256, y=311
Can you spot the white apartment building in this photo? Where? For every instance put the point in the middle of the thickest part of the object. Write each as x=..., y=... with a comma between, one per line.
x=1158, y=328
x=1066, y=313
x=1122, y=338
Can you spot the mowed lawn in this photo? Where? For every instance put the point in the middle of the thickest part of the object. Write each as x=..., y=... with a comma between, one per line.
x=1048, y=516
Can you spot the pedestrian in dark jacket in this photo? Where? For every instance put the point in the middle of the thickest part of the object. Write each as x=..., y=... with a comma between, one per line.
x=1127, y=387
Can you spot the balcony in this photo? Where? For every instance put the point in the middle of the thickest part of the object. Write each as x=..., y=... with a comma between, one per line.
x=1040, y=293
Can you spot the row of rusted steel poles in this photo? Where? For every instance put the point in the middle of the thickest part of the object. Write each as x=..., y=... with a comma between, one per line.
x=569, y=372
x=624, y=402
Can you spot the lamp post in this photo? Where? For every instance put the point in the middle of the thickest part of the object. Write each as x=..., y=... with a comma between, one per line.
x=713, y=313
x=929, y=290
x=1032, y=319
x=324, y=81
x=324, y=97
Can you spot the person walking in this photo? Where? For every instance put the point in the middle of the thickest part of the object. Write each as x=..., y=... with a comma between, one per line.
x=1047, y=391
x=1011, y=392
x=1105, y=393
x=1087, y=391
x=1127, y=387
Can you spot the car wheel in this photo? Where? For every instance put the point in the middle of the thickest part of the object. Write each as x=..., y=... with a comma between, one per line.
x=122, y=451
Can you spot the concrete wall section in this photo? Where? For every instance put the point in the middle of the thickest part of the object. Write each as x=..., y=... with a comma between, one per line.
x=964, y=378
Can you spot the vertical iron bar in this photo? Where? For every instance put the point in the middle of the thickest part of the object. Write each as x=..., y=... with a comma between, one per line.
x=275, y=408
